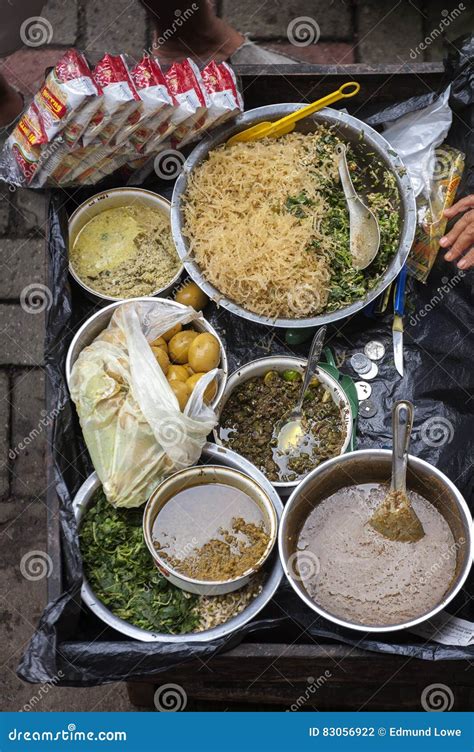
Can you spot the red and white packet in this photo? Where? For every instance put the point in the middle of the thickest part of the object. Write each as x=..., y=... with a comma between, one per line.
x=225, y=98
x=190, y=98
x=157, y=104
x=68, y=90
x=120, y=102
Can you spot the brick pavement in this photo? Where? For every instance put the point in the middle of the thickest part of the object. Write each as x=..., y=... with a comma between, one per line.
x=359, y=31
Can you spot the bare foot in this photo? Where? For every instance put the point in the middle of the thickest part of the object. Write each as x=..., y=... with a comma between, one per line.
x=218, y=41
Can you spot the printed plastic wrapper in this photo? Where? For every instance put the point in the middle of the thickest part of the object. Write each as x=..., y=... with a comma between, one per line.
x=129, y=414
x=55, y=108
x=120, y=101
x=157, y=104
x=415, y=136
x=431, y=223
x=225, y=99
x=70, y=639
x=190, y=97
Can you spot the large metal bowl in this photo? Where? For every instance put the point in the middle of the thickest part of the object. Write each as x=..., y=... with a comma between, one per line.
x=282, y=363
x=100, y=320
x=374, y=466
x=211, y=455
x=349, y=128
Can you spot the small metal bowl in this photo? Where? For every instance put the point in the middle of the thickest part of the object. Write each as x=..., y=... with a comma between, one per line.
x=282, y=363
x=96, y=324
x=112, y=199
x=202, y=476
x=374, y=466
x=211, y=454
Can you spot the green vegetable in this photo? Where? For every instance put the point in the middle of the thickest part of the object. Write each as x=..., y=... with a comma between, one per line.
x=291, y=375
x=122, y=574
x=294, y=204
x=378, y=189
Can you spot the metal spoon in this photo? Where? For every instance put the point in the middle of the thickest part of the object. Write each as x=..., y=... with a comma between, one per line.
x=291, y=432
x=364, y=228
x=395, y=518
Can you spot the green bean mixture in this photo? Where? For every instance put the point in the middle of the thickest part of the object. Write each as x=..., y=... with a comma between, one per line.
x=256, y=410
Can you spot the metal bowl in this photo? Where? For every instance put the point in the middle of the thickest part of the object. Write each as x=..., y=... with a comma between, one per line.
x=281, y=363
x=100, y=320
x=111, y=199
x=215, y=455
x=374, y=466
x=347, y=127
x=198, y=476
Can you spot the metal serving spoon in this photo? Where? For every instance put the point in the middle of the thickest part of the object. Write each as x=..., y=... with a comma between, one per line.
x=395, y=517
x=364, y=228
x=291, y=432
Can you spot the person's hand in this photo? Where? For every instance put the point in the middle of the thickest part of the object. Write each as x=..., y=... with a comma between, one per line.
x=460, y=239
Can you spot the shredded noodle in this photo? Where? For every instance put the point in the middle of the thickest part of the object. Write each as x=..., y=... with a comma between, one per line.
x=248, y=245
x=267, y=224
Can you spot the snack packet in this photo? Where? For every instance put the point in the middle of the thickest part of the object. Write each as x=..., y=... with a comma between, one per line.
x=431, y=223
x=225, y=99
x=56, y=108
x=157, y=104
x=120, y=101
x=189, y=97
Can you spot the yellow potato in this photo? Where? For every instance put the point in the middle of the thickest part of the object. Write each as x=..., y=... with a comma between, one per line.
x=210, y=391
x=204, y=353
x=182, y=392
x=159, y=342
x=189, y=369
x=178, y=346
x=192, y=295
x=171, y=332
x=162, y=358
x=177, y=373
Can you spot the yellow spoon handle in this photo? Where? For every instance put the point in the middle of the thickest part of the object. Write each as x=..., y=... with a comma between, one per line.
x=349, y=89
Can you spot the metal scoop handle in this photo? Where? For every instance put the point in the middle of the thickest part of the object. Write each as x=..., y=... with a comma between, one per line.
x=313, y=359
x=401, y=432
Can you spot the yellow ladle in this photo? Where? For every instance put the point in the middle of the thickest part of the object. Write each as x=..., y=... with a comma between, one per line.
x=286, y=124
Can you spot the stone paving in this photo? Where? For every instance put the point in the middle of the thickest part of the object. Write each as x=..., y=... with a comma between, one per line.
x=370, y=31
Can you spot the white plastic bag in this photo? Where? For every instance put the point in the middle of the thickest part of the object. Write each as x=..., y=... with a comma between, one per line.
x=416, y=135
x=133, y=428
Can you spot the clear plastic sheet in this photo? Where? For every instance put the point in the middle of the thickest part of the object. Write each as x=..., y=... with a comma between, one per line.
x=438, y=379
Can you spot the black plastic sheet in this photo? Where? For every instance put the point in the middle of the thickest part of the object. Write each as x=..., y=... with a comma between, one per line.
x=72, y=643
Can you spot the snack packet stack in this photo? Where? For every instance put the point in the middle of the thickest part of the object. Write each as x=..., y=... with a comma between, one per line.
x=83, y=125
x=66, y=98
